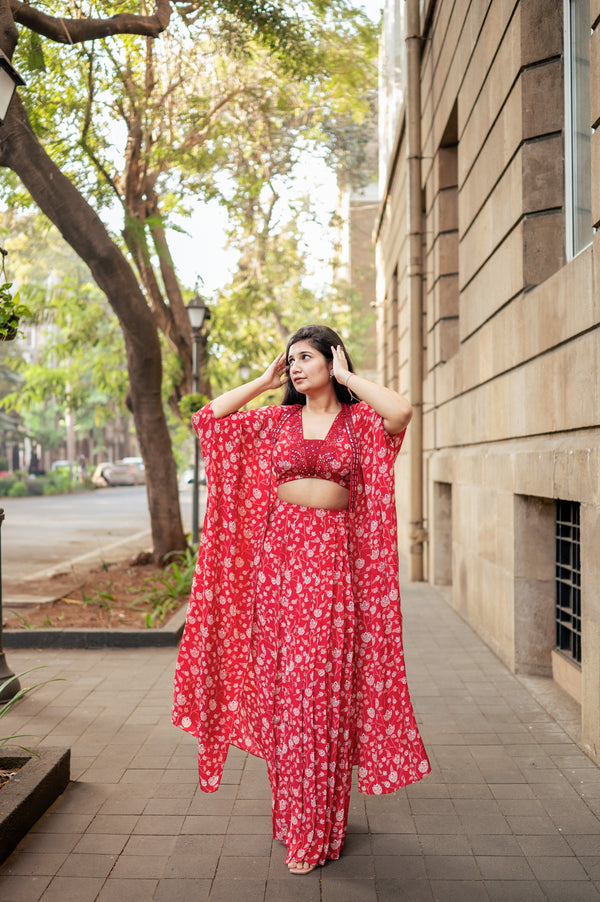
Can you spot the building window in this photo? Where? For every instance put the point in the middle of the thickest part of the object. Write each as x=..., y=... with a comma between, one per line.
x=568, y=580
x=578, y=167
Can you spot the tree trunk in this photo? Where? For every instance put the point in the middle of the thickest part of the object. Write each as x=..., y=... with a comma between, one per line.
x=80, y=226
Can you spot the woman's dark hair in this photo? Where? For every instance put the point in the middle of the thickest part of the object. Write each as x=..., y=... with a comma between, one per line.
x=321, y=338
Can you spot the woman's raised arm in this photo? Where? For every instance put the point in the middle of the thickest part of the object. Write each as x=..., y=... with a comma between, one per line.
x=392, y=407
x=273, y=377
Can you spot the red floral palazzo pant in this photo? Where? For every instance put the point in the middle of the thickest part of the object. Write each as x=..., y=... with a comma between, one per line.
x=296, y=705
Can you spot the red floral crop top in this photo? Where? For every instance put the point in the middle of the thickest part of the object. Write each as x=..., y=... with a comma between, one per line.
x=295, y=457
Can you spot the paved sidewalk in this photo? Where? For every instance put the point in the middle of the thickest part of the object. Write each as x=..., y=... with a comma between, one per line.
x=510, y=812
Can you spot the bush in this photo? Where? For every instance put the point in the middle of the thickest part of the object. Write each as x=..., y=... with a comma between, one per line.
x=167, y=592
x=6, y=484
x=18, y=490
x=57, y=482
x=17, y=485
x=35, y=487
x=3, y=463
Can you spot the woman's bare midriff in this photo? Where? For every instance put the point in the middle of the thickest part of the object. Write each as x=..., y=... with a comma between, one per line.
x=314, y=493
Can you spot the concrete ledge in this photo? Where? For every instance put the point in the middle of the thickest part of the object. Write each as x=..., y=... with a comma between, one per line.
x=30, y=792
x=169, y=634
x=567, y=674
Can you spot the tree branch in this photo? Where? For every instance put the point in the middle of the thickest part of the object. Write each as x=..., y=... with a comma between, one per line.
x=87, y=121
x=76, y=31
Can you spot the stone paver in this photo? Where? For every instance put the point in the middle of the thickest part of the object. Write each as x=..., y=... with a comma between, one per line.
x=509, y=813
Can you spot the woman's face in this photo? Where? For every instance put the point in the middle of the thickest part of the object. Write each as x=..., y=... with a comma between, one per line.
x=308, y=368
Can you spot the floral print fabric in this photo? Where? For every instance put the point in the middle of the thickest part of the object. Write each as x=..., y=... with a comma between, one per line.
x=295, y=708
x=216, y=647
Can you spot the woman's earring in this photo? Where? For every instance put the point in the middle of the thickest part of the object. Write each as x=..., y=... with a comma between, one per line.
x=331, y=374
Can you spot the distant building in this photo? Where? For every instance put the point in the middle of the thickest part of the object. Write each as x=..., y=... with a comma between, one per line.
x=354, y=257
x=489, y=319
x=363, y=205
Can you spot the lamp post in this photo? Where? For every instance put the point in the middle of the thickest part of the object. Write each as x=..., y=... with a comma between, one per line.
x=5, y=672
x=9, y=80
x=198, y=313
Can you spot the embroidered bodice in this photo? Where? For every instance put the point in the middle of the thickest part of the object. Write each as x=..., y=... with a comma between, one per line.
x=295, y=457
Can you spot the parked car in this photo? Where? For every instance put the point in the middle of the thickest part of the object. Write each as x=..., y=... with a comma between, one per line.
x=137, y=468
x=108, y=473
x=133, y=460
x=64, y=465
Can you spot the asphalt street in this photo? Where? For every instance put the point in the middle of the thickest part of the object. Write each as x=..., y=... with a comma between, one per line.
x=41, y=535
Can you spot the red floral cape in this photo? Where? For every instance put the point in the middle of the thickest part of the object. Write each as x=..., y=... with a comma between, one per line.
x=214, y=650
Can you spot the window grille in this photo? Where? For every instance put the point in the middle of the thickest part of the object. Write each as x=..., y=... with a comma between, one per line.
x=568, y=579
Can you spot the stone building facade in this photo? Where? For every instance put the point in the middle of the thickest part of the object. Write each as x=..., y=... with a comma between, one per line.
x=489, y=318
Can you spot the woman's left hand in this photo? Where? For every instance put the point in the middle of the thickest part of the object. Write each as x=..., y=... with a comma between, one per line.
x=394, y=410
x=340, y=364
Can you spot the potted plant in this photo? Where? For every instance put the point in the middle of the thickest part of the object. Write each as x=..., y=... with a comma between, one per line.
x=11, y=312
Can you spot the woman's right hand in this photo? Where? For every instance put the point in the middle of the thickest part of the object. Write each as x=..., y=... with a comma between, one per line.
x=273, y=377
x=276, y=373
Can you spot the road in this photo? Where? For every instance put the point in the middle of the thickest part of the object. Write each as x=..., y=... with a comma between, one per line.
x=41, y=535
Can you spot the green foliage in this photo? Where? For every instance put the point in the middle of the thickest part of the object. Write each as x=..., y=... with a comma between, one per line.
x=43, y=422
x=272, y=292
x=17, y=490
x=35, y=487
x=257, y=337
x=105, y=598
x=274, y=24
x=167, y=592
x=11, y=313
x=6, y=484
x=223, y=105
x=189, y=404
x=58, y=482
x=310, y=40
x=187, y=93
x=80, y=363
x=22, y=620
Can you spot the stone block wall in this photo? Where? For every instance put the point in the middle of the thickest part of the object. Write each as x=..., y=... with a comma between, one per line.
x=511, y=328
x=392, y=317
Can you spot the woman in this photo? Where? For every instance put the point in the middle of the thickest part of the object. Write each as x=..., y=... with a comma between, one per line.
x=293, y=647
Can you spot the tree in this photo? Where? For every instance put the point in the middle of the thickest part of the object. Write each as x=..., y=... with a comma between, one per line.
x=141, y=302
x=274, y=290
x=77, y=365
x=65, y=206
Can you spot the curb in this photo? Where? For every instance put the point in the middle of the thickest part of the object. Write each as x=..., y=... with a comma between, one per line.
x=30, y=792
x=169, y=634
x=98, y=555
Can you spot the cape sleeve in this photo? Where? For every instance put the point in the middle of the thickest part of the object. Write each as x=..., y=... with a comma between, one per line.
x=214, y=648
x=374, y=520
x=388, y=749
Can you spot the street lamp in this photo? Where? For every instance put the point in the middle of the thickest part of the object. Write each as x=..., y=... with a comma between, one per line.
x=5, y=672
x=9, y=80
x=198, y=313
